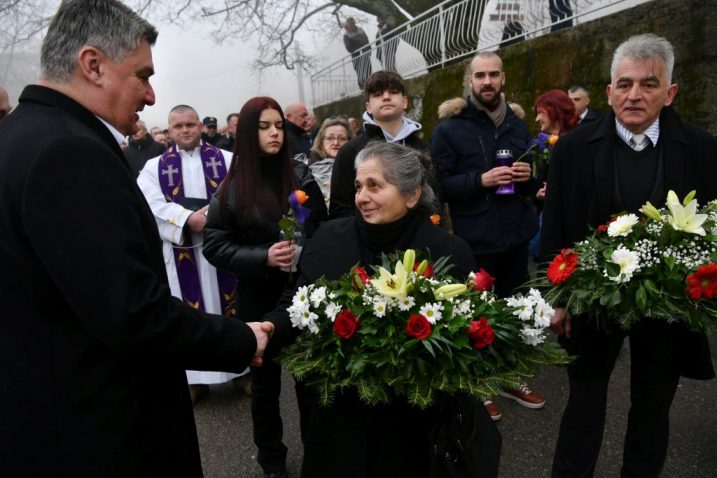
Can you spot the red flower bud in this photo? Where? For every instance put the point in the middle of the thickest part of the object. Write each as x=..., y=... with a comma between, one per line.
x=361, y=277
x=427, y=272
x=482, y=281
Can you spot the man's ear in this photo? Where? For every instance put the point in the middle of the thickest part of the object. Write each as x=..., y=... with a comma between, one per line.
x=90, y=64
x=671, y=93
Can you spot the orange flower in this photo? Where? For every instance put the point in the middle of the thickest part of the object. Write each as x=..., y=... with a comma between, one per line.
x=301, y=196
x=436, y=219
x=552, y=139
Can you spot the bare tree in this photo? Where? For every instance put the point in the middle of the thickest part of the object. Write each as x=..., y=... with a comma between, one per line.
x=271, y=25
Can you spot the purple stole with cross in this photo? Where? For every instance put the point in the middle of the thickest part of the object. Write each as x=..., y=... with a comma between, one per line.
x=171, y=183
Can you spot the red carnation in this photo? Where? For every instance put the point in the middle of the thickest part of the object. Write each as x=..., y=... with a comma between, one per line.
x=562, y=266
x=482, y=280
x=418, y=327
x=703, y=283
x=361, y=277
x=346, y=324
x=427, y=272
x=481, y=333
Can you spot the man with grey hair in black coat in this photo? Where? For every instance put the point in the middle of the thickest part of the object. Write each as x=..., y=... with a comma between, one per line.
x=635, y=153
x=93, y=346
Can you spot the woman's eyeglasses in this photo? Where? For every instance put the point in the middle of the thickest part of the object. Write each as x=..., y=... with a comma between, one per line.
x=340, y=139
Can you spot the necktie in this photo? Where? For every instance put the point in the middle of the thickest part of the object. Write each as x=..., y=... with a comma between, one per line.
x=638, y=142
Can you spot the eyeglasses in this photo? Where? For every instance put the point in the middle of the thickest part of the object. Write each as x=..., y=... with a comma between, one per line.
x=340, y=139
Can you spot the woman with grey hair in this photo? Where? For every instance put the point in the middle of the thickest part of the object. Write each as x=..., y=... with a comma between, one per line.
x=333, y=134
x=350, y=438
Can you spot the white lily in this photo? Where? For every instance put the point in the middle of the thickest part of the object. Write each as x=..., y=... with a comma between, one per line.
x=685, y=218
x=392, y=285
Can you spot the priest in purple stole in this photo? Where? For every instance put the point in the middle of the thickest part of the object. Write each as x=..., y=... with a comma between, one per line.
x=178, y=185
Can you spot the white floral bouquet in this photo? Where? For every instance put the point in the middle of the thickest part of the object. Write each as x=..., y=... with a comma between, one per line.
x=415, y=332
x=659, y=266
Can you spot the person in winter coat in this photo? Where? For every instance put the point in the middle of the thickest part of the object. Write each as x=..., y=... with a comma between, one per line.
x=242, y=236
x=333, y=134
x=141, y=147
x=349, y=438
x=497, y=226
x=384, y=120
x=356, y=43
x=386, y=43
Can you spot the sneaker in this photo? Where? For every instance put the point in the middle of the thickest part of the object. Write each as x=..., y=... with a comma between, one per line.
x=492, y=410
x=524, y=396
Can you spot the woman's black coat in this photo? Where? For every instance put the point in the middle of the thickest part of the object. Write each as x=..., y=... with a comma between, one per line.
x=349, y=439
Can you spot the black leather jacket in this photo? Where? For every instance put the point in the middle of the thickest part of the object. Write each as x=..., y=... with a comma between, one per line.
x=242, y=248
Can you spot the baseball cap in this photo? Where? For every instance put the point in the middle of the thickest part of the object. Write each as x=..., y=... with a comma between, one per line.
x=210, y=121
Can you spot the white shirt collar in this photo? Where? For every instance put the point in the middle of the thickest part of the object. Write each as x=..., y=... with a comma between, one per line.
x=119, y=137
x=582, y=115
x=652, y=132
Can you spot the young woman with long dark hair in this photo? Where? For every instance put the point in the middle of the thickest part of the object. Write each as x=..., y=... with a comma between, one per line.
x=242, y=236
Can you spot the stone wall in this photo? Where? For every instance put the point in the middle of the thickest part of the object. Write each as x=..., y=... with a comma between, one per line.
x=582, y=55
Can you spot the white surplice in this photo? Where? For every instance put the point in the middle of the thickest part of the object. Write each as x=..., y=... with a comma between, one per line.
x=171, y=218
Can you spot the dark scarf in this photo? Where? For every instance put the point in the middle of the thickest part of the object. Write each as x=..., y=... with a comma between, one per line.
x=387, y=238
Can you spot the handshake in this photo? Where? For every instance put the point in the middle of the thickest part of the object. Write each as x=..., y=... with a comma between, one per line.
x=263, y=332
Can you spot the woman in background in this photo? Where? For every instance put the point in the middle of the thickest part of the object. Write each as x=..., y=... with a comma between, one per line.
x=555, y=114
x=334, y=133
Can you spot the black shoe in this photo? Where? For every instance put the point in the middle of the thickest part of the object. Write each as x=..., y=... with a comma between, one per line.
x=277, y=474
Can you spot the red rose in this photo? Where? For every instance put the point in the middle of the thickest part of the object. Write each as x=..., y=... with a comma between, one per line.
x=703, y=283
x=427, y=272
x=562, y=266
x=361, y=277
x=482, y=281
x=418, y=327
x=346, y=324
x=602, y=228
x=481, y=333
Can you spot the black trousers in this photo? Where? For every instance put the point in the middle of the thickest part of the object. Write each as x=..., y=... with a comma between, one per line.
x=266, y=416
x=653, y=382
x=509, y=268
x=268, y=428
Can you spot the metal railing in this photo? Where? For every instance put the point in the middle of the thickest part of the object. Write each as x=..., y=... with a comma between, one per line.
x=449, y=32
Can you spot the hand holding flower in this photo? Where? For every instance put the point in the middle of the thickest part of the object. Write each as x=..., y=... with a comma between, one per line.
x=280, y=254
